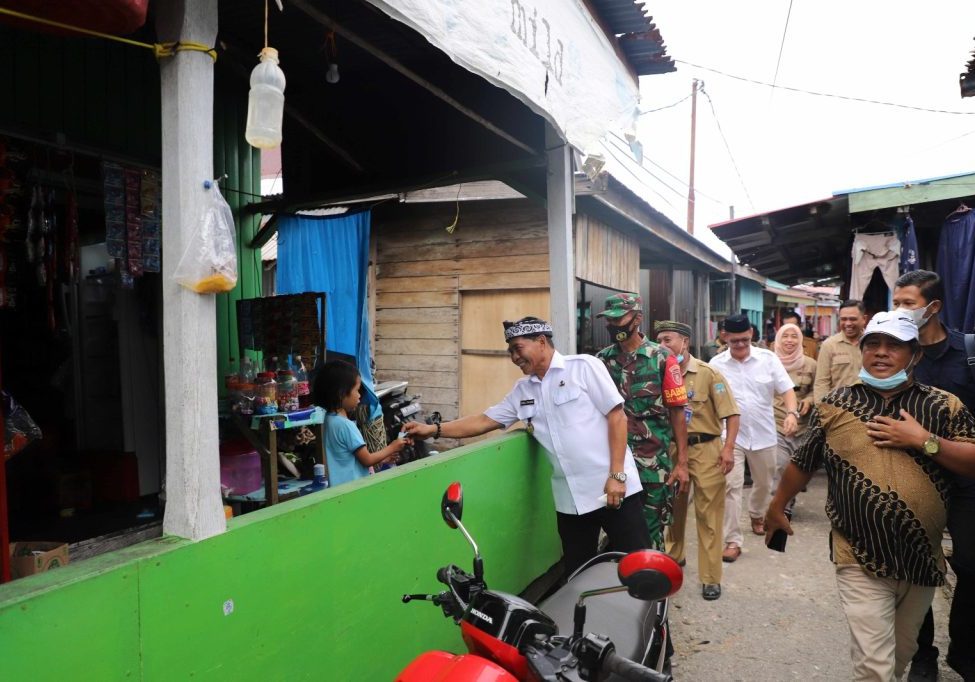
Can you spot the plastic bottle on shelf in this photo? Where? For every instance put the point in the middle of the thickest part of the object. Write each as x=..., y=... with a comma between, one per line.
x=287, y=391
x=304, y=388
x=265, y=102
x=247, y=373
x=319, y=482
x=266, y=399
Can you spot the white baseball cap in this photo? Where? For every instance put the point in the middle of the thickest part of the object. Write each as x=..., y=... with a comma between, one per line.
x=893, y=323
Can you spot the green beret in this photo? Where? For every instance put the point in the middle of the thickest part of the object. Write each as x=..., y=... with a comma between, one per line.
x=672, y=326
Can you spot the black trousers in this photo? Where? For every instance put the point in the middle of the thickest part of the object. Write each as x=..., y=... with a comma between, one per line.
x=625, y=527
x=961, y=621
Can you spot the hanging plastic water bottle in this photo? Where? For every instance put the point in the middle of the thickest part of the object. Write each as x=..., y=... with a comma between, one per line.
x=265, y=102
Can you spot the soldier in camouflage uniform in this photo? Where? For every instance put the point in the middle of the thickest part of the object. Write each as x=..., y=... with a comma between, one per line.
x=648, y=377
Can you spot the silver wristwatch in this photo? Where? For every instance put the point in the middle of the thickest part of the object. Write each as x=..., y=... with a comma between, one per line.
x=619, y=476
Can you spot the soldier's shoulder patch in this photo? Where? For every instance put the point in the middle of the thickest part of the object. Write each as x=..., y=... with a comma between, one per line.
x=720, y=387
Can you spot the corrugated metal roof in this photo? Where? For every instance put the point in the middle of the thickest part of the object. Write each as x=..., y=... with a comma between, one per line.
x=636, y=34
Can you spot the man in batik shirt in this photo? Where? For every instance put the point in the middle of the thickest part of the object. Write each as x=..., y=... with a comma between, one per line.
x=648, y=377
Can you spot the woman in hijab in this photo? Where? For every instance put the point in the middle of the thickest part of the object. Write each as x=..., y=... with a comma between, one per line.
x=802, y=371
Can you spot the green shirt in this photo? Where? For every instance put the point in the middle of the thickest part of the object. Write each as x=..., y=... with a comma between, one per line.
x=648, y=390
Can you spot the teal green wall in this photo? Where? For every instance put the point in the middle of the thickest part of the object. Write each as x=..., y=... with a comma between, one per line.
x=242, y=165
x=316, y=582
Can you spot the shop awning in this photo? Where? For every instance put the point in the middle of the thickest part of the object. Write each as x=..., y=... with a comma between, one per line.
x=553, y=55
x=804, y=242
x=787, y=296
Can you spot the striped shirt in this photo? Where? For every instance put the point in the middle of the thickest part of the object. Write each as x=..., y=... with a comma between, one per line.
x=887, y=506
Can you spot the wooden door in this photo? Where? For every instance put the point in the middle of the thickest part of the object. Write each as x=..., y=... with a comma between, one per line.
x=487, y=373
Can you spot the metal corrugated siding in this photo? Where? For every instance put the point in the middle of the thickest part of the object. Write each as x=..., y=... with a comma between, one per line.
x=683, y=296
x=638, y=37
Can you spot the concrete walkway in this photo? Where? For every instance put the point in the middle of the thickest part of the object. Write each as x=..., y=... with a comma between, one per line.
x=779, y=617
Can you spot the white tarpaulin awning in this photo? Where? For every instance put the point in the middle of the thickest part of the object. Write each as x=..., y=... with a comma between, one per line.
x=550, y=54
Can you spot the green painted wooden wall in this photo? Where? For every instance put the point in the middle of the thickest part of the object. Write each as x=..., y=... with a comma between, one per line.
x=242, y=165
x=315, y=583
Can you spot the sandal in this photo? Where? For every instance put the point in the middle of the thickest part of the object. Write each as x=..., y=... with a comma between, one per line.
x=758, y=526
x=730, y=553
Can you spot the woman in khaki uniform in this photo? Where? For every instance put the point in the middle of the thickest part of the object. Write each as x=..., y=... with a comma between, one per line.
x=709, y=404
x=802, y=371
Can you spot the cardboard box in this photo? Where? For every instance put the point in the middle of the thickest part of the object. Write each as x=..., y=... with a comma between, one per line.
x=28, y=558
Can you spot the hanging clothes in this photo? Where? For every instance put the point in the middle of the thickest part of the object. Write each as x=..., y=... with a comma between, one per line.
x=871, y=251
x=331, y=254
x=909, y=257
x=956, y=262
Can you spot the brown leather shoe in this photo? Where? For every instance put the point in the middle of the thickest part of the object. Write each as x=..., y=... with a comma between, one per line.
x=731, y=553
x=758, y=526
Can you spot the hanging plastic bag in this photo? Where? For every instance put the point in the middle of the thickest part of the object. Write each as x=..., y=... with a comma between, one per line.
x=18, y=427
x=209, y=264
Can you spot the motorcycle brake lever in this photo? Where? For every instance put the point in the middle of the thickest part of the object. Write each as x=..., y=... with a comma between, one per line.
x=407, y=598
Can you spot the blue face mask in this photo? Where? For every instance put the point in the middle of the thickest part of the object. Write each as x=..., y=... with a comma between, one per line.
x=887, y=384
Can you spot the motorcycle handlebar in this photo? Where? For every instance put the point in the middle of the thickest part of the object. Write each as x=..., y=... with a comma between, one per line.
x=632, y=670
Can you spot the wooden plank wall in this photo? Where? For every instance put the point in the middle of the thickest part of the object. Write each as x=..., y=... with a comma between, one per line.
x=421, y=270
x=605, y=256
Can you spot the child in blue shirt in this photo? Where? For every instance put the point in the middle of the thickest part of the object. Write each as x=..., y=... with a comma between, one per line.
x=337, y=391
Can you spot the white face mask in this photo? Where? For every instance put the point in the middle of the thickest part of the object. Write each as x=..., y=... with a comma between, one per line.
x=916, y=314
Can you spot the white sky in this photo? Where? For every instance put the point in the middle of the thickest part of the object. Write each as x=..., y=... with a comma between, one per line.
x=791, y=147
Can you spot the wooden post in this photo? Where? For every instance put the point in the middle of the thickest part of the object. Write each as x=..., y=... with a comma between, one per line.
x=562, y=286
x=193, y=503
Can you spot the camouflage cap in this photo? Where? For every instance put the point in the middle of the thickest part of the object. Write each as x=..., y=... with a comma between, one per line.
x=619, y=305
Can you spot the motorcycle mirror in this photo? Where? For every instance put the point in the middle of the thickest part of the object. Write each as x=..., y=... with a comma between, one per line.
x=650, y=575
x=452, y=504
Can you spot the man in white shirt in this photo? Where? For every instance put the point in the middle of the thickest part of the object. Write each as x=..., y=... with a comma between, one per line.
x=571, y=406
x=756, y=376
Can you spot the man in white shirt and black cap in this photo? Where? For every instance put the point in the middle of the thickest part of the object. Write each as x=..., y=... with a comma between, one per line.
x=571, y=406
x=756, y=376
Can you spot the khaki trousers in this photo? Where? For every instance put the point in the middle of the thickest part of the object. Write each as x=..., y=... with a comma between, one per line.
x=708, y=488
x=885, y=616
x=761, y=463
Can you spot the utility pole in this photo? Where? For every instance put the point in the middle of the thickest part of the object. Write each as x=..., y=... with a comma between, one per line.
x=690, y=183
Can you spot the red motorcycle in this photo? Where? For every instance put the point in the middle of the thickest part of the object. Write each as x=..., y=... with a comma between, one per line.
x=511, y=640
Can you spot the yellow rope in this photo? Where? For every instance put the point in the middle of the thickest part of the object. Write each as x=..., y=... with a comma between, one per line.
x=159, y=49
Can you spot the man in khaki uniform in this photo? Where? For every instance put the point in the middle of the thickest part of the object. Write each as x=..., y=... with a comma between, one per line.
x=710, y=402
x=839, y=359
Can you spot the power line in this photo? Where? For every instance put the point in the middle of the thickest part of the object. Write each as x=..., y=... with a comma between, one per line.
x=675, y=191
x=637, y=178
x=728, y=147
x=825, y=94
x=674, y=104
x=785, y=30
x=675, y=177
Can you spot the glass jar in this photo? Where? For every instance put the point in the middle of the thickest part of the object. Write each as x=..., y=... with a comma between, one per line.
x=287, y=391
x=246, y=393
x=266, y=394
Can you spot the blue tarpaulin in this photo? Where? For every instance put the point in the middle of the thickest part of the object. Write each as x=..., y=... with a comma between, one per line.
x=330, y=254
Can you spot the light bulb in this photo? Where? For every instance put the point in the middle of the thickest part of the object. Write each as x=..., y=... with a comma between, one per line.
x=332, y=75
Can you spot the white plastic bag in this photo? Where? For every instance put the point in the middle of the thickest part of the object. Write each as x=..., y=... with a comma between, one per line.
x=209, y=264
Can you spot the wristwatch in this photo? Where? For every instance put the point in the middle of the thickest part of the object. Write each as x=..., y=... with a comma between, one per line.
x=619, y=476
x=932, y=446
x=794, y=413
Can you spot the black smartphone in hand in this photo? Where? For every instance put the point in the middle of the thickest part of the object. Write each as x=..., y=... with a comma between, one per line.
x=778, y=540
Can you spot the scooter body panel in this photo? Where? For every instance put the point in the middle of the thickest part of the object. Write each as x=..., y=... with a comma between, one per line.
x=441, y=666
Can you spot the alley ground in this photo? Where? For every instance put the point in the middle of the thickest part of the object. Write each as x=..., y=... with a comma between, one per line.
x=778, y=617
